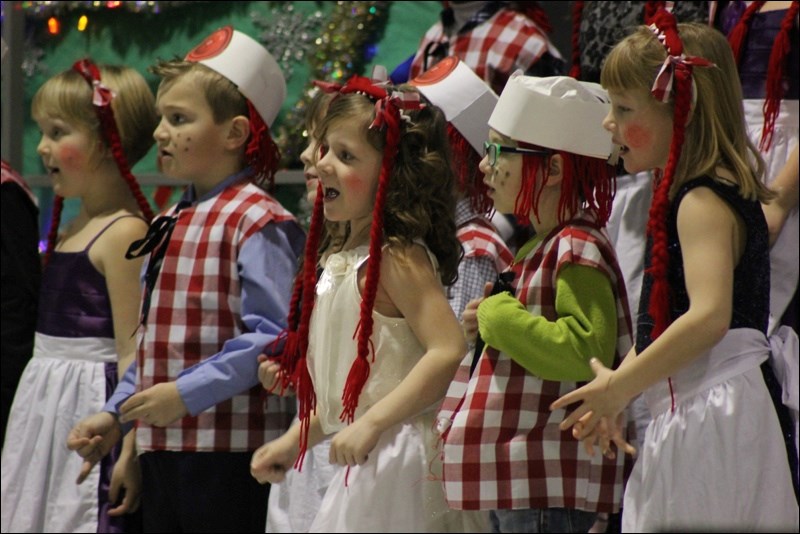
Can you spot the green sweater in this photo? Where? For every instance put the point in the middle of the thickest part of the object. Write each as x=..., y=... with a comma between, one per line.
x=556, y=350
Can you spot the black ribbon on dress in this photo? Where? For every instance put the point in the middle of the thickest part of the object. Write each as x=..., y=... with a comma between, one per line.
x=156, y=242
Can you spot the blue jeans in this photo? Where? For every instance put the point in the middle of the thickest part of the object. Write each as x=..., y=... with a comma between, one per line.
x=542, y=520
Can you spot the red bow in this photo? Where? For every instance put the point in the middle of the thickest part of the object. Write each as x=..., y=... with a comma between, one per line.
x=101, y=95
x=375, y=89
x=665, y=28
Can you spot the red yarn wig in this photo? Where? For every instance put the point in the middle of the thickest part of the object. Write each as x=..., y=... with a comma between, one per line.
x=778, y=58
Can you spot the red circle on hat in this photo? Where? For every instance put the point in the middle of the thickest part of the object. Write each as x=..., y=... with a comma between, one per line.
x=437, y=73
x=212, y=45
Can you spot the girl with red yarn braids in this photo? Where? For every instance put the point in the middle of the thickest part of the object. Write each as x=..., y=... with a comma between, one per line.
x=372, y=361
x=719, y=451
x=95, y=123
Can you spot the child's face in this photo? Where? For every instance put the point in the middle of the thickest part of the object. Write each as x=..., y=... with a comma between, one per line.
x=504, y=179
x=309, y=157
x=190, y=144
x=66, y=153
x=642, y=127
x=349, y=169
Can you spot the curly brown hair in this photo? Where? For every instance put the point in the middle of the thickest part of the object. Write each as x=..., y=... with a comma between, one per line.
x=419, y=201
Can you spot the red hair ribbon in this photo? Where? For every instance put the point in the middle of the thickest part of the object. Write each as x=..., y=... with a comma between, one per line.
x=101, y=95
x=665, y=28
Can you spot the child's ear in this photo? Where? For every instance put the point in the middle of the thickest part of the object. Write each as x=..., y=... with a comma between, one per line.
x=555, y=170
x=239, y=132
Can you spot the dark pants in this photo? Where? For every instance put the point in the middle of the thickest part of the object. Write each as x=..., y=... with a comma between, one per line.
x=201, y=492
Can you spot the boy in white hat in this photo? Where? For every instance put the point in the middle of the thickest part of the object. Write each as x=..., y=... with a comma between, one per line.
x=545, y=162
x=217, y=287
x=467, y=102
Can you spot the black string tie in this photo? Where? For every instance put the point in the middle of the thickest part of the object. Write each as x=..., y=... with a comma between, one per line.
x=156, y=241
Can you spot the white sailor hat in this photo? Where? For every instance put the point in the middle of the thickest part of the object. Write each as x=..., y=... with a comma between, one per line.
x=247, y=64
x=557, y=112
x=466, y=100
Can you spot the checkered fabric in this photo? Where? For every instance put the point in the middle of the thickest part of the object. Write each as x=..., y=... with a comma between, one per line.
x=504, y=449
x=195, y=309
x=494, y=49
x=481, y=243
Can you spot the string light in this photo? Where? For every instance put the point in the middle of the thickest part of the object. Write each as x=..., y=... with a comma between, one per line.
x=83, y=21
x=53, y=26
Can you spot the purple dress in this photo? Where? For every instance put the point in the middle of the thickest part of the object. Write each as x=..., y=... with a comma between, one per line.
x=72, y=373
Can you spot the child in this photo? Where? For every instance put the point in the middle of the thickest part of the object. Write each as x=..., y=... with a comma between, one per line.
x=494, y=39
x=294, y=502
x=467, y=102
x=714, y=457
x=22, y=273
x=378, y=373
x=217, y=291
x=546, y=164
x=764, y=40
x=95, y=122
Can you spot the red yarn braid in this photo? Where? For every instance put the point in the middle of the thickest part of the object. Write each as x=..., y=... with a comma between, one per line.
x=651, y=8
x=52, y=233
x=778, y=58
x=470, y=179
x=659, y=307
x=262, y=154
x=359, y=371
x=738, y=34
x=577, y=13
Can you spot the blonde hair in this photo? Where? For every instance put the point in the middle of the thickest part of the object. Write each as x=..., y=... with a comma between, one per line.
x=68, y=97
x=716, y=133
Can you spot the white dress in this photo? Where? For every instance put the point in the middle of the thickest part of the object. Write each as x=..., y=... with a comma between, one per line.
x=293, y=504
x=64, y=381
x=399, y=488
x=711, y=455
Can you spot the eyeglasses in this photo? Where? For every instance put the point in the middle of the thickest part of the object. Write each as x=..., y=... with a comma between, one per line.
x=492, y=149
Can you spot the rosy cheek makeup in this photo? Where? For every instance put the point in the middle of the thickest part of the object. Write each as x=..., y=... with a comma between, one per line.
x=71, y=158
x=355, y=184
x=637, y=136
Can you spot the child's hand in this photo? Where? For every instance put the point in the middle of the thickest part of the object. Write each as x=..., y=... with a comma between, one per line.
x=272, y=460
x=92, y=438
x=603, y=435
x=158, y=405
x=271, y=376
x=600, y=401
x=352, y=445
x=126, y=477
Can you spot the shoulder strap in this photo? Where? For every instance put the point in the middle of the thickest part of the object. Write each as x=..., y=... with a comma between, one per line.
x=101, y=232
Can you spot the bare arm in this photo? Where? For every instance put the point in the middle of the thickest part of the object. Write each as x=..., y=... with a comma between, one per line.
x=409, y=282
x=122, y=282
x=711, y=239
x=785, y=185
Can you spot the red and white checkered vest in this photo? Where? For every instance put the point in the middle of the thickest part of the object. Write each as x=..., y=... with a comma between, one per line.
x=479, y=238
x=504, y=449
x=195, y=308
x=494, y=49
